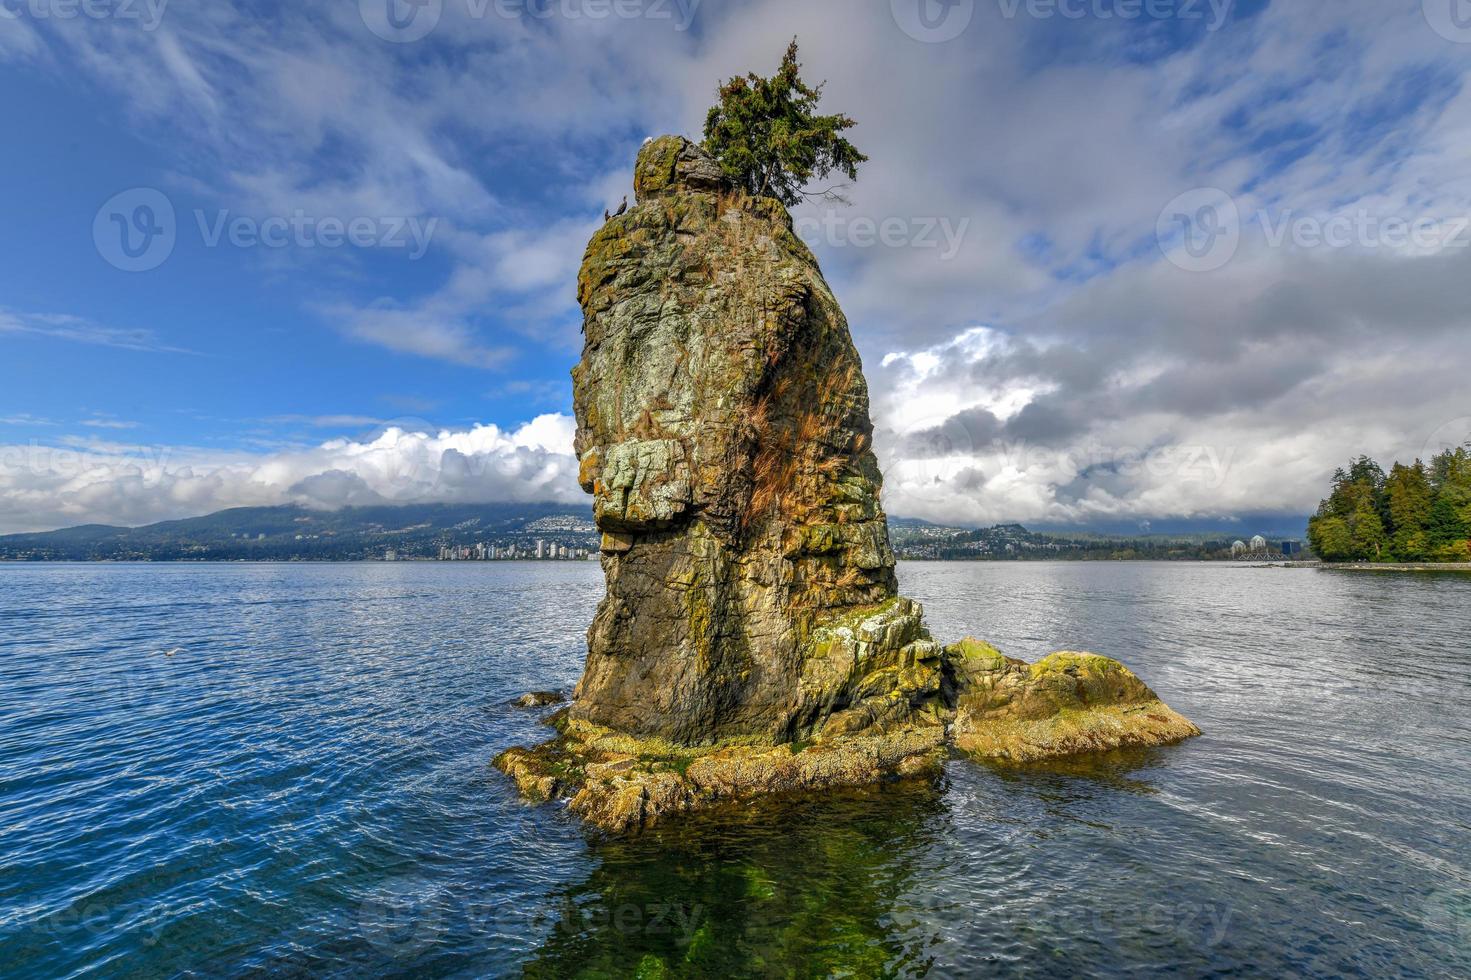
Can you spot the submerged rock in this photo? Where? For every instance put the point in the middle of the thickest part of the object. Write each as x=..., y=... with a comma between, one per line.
x=539, y=699
x=752, y=638
x=1065, y=704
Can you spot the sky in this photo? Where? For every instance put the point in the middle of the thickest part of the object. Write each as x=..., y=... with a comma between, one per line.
x=1112, y=264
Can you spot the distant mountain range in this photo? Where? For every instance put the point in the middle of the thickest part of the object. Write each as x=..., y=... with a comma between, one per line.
x=425, y=531
x=302, y=534
x=918, y=540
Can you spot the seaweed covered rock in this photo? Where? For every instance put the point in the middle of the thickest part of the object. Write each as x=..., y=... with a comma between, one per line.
x=621, y=783
x=1065, y=704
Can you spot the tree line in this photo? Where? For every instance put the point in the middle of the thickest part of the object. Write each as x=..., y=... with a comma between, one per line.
x=1419, y=512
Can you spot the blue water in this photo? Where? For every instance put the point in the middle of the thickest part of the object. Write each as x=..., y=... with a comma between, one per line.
x=243, y=770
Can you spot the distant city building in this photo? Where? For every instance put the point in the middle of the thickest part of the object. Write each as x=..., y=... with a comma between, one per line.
x=1238, y=548
x=1258, y=543
x=542, y=549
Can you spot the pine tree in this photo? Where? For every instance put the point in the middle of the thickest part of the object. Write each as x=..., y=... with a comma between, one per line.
x=769, y=139
x=1350, y=525
x=1416, y=513
x=1330, y=538
x=1449, y=524
x=1409, y=500
x=1369, y=537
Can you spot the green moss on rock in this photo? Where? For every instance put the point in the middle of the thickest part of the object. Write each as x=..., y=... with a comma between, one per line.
x=1065, y=704
x=618, y=784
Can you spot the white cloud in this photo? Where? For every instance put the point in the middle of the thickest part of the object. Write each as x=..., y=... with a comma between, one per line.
x=1051, y=143
x=75, y=329
x=91, y=481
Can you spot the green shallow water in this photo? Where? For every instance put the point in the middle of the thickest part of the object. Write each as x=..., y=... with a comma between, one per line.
x=229, y=771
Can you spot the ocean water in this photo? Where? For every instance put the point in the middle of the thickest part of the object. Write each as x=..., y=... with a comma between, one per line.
x=283, y=770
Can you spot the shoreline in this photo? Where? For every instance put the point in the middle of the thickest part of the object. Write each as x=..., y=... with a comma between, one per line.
x=1381, y=566
x=1331, y=566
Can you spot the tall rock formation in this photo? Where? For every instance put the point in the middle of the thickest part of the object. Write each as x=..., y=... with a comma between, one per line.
x=752, y=638
x=724, y=434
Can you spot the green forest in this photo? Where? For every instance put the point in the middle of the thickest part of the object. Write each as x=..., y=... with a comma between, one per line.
x=1420, y=512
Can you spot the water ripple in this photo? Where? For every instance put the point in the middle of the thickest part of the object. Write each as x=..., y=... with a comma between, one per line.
x=236, y=770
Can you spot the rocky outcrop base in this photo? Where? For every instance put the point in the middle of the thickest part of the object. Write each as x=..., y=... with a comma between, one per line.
x=998, y=709
x=618, y=783
x=1064, y=705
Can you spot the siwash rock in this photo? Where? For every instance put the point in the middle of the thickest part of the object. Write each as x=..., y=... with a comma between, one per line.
x=724, y=434
x=752, y=637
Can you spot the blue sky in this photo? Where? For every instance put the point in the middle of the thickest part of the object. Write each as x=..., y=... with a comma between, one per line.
x=220, y=340
x=1038, y=345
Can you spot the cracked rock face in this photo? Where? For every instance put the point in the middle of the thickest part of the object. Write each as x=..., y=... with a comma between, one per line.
x=724, y=432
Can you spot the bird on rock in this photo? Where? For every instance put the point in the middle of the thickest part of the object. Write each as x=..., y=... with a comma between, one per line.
x=622, y=207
